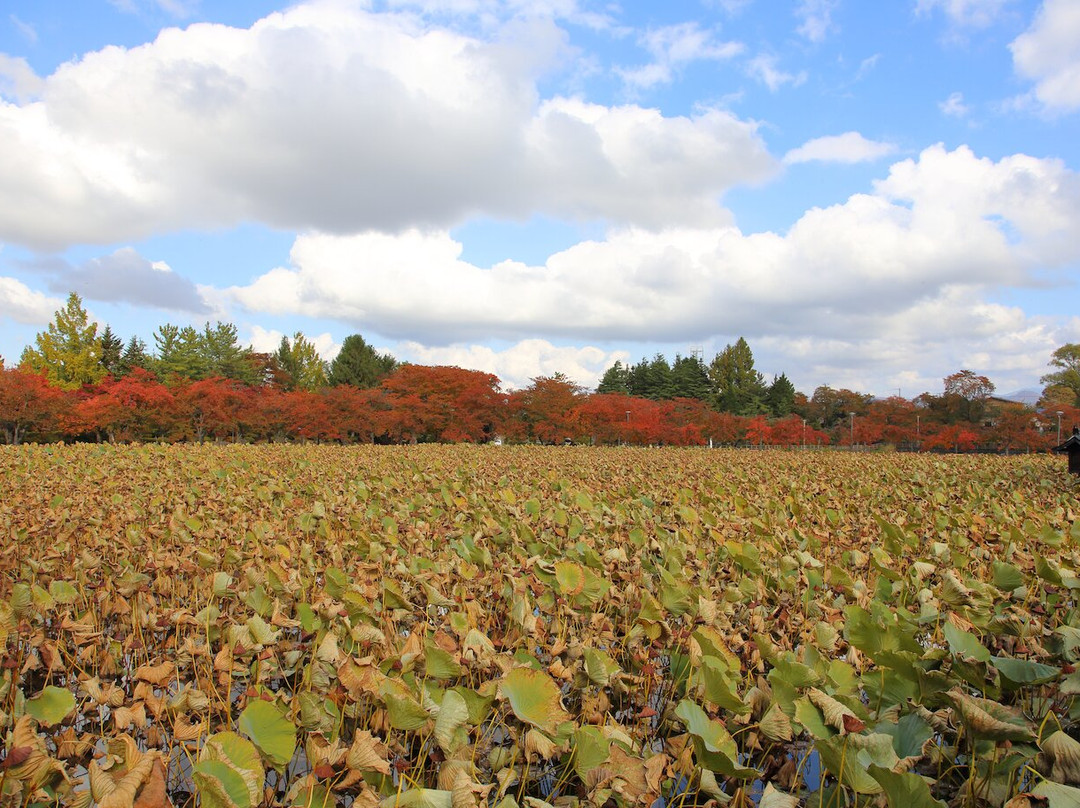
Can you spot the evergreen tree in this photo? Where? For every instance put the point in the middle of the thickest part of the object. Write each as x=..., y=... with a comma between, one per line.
x=616, y=379
x=134, y=356
x=738, y=387
x=637, y=380
x=690, y=379
x=179, y=353
x=360, y=365
x=69, y=352
x=658, y=379
x=781, y=396
x=223, y=356
x=111, y=349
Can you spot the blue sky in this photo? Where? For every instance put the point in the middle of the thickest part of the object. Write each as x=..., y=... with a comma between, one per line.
x=875, y=195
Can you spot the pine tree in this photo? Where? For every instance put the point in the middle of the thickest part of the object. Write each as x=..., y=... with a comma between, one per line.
x=111, y=348
x=616, y=379
x=781, y=396
x=738, y=387
x=360, y=365
x=134, y=356
x=689, y=378
x=223, y=355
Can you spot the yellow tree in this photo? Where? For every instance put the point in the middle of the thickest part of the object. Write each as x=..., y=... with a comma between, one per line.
x=69, y=352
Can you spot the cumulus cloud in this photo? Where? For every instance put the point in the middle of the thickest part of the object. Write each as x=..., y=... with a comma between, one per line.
x=945, y=224
x=18, y=81
x=386, y=122
x=674, y=46
x=123, y=276
x=1048, y=53
x=518, y=364
x=816, y=18
x=24, y=305
x=967, y=13
x=850, y=147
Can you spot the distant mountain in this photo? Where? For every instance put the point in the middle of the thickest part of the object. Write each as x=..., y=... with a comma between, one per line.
x=1028, y=397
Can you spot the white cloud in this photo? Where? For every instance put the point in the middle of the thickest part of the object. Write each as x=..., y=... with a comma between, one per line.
x=18, y=81
x=672, y=47
x=385, y=123
x=25, y=29
x=23, y=305
x=1048, y=53
x=517, y=365
x=850, y=147
x=967, y=13
x=816, y=18
x=939, y=230
x=268, y=340
x=954, y=106
x=763, y=68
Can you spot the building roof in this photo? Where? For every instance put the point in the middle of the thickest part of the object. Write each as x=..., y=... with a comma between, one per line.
x=1072, y=444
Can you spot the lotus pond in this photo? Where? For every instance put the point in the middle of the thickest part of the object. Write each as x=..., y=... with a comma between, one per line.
x=525, y=627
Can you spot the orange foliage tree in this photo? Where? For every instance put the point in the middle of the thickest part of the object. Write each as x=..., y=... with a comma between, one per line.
x=441, y=403
x=135, y=407
x=29, y=405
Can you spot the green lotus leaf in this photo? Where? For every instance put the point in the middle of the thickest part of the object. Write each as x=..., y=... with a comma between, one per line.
x=713, y=744
x=964, y=644
x=270, y=730
x=720, y=689
x=438, y=663
x=1020, y=672
x=419, y=798
x=220, y=786
x=909, y=734
x=591, y=750
x=904, y=789
x=600, y=667
x=1006, y=576
x=570, y=578
x=449, y=725
x=240, y=757
x=844, y=764
x=402, y=709
x=51, y=706
x=1057, y=795
x=534, y=698
x=311, y=795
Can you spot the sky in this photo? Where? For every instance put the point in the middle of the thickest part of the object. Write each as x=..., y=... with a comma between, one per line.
x=873, y=194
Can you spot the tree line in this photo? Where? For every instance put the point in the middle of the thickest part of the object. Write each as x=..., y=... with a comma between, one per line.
x=195, y=385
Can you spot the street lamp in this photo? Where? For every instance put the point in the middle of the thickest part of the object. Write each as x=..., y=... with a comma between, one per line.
x=1059, y=414
x=852, y=429
x=918, y=431
x=804, y=433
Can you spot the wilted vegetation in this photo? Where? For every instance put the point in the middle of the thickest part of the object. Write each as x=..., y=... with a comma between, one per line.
x=451, y=627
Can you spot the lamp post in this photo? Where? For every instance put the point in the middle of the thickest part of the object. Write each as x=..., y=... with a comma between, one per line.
x=918, y=431
x=804, y=433
x=852, y=429
x=1059, y=414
